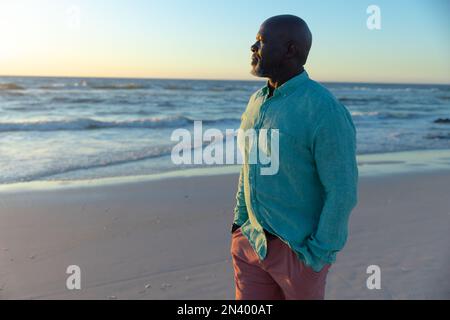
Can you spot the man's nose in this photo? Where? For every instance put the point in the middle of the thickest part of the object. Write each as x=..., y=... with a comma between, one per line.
x=254, y=48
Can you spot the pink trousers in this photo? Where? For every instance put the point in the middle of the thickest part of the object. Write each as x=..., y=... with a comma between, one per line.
x=280, y=276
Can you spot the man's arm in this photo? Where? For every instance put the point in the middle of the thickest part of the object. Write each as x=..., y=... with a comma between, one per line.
x=240, y=210
x=334, y=151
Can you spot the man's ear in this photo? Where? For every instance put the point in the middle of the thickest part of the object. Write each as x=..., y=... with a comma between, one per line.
x=292, y=50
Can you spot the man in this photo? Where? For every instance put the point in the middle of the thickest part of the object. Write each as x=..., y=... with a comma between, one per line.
x=289, y=226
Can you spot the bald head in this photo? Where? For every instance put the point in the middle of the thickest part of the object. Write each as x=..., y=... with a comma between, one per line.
x=291, y=30
x=282, y=45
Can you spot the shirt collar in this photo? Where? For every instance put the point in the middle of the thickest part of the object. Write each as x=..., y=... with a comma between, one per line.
x=288, y=86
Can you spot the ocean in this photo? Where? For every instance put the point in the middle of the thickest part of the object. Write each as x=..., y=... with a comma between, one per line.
x=90, y=128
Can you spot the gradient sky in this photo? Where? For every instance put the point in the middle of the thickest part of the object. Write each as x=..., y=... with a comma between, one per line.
x=211, y=39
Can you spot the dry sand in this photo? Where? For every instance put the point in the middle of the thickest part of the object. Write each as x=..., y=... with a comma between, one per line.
x=170, y=239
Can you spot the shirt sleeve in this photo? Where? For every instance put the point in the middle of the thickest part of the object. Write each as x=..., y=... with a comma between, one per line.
x=240, y=210
x=334, y=152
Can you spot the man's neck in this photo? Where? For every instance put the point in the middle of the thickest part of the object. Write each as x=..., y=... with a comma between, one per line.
x=275, y=83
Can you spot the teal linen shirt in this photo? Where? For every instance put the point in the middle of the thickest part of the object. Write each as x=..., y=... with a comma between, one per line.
x=307, y=203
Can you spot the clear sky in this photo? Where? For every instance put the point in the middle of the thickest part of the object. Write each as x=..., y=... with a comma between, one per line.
x=211, y=38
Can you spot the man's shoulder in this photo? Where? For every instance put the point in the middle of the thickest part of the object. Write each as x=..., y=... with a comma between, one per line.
x=317, y=92
x=313, y=103
x=318, y=98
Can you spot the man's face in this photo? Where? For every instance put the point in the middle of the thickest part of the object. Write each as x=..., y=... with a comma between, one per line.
x=267, y=53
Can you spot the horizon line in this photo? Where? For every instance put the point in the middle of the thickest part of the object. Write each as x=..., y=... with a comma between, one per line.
x=217, y=79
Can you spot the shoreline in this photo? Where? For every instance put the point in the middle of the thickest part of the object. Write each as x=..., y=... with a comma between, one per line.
x=369, y=165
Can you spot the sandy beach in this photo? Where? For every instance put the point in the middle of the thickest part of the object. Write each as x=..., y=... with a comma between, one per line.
x=170, y=239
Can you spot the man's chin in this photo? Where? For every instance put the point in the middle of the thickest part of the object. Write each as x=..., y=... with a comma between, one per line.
x=257, y=72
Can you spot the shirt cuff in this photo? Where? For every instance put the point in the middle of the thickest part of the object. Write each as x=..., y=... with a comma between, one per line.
x=234, y=227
